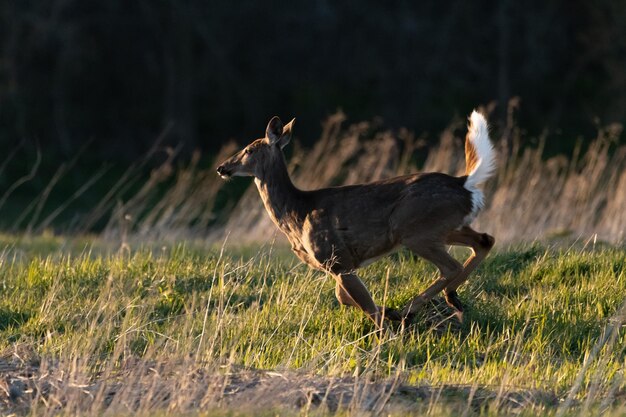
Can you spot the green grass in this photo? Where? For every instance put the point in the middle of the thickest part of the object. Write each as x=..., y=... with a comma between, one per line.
x=534, y=318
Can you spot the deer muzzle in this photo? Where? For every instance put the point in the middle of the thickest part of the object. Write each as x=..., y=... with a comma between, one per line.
x=223, y=172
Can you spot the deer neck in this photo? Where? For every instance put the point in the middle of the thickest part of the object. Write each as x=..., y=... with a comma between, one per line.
x=280, y=197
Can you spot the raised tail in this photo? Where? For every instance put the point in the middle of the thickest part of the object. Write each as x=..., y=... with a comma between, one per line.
x=480, y=160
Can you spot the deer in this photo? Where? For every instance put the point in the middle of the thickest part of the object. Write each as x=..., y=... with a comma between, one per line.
x=340, y=229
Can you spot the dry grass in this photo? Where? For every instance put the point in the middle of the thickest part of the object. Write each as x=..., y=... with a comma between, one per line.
x=188, y=387
x=530, y=198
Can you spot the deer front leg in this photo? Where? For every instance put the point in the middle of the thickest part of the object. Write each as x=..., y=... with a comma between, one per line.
x=351, y=291
x=345, y=299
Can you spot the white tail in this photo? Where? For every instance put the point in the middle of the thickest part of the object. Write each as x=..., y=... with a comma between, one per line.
x=480, y=161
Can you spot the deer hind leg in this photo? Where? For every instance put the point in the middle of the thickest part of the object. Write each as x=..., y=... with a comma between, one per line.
x=351, y=291
x=449, y=268
x=481, y=244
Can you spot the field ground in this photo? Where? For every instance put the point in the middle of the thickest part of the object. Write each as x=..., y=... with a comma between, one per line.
x=89, y=328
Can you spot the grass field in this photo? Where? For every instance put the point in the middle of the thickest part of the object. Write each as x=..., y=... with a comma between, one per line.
x=150, y=318
x=88, y=328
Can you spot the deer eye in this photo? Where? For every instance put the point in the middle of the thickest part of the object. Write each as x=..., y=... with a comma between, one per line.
x=247, y=151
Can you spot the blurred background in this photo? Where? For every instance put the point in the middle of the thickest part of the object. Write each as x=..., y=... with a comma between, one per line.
x=91, y=88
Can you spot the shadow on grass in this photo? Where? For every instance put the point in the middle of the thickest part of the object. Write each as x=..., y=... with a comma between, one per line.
x=514, y=260
x=439, y=321
x=510, y=263
x=14, y=319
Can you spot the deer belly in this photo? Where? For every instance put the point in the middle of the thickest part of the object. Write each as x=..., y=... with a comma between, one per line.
x=372, y=259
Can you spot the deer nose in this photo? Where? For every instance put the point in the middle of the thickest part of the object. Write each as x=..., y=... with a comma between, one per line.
x=221, y=170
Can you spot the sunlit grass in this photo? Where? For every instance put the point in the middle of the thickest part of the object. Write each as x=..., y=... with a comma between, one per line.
x=534, y=316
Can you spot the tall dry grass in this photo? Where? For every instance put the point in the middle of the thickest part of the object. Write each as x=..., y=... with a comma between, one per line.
x=530, y=197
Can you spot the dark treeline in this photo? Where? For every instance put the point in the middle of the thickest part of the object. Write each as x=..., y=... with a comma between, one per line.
x=116, y=72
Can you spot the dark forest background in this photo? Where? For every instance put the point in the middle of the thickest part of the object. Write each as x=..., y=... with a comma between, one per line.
x=117, y=71
x=109, y=76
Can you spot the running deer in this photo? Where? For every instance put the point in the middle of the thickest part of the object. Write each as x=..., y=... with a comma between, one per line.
x=340, y=229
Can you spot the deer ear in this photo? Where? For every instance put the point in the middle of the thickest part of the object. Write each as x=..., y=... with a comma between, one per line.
x=274, y=130
x=286, y=136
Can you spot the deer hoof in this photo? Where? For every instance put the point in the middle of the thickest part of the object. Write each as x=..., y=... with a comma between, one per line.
x=452, y=299
x=459, y=316
x=392, y=314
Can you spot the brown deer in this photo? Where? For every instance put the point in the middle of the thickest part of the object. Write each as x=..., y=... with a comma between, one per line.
x=340, y=229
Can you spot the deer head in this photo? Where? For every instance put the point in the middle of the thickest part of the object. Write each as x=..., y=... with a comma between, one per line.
x=260, y=156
